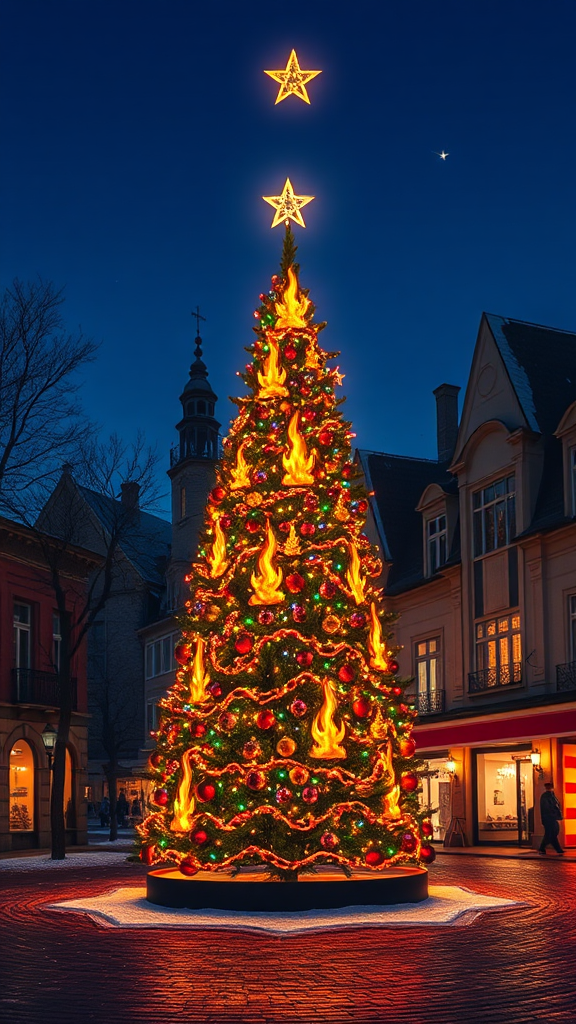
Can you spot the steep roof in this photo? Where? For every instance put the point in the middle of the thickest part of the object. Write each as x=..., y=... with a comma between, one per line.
x=398, y=482
x=145, y=543
x=541, y=364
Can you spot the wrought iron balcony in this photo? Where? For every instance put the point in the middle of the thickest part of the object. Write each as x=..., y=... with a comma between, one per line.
x=566, y=677
x=430, y=703
x=29, y=686
x=494, y=678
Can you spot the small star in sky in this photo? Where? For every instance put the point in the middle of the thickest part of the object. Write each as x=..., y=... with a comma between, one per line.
x=288, y=205
x=442, y=155
x=293, y=80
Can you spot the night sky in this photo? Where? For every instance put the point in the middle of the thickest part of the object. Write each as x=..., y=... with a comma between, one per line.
x=138, y=138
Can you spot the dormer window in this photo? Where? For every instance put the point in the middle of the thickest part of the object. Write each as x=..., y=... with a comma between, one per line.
x=573, y=479
x=494, y=509
x=437, y=543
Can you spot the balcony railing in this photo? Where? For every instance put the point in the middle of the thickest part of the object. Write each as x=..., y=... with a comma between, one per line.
x=566, y=677
x=430, y=703
x=494, y=678
x=29, y=686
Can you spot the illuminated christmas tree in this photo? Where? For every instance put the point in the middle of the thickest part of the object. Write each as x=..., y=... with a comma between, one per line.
x=286, y=741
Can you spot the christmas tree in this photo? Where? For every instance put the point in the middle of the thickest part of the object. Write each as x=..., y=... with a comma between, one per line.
x=285, y=740
x=20, y=820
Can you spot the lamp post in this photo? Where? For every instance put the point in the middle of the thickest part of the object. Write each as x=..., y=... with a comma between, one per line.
x=49, y=735
x=536, y=757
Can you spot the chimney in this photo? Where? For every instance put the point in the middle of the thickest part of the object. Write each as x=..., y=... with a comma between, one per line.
x=446, y=420
x=130, y=493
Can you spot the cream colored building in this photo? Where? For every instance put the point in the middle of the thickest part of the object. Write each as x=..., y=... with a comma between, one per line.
x=480, y=563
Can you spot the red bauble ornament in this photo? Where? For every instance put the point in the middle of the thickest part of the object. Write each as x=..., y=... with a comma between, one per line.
x=393, y=667
x=325, y=438
x=409, y=781
x=225, y=522
x=305, y=391
x=160, y=797
x=397, y=691
x=275, y=280
x=295, y=583
x=329, y=841
x=298, y=708
x=227, y=720
x=357, y=620
x=252, y=525
x=311, y=502
x=188, y=866
x=290, y=352
x=265, y=720
x=407, y=746
x=205, y=791
x=200, y=837
x=310, y=794
x=265, y=617
x=427, y=854
x=307, y=529
x=215, y=689
x=217, y=494
x=155, y=759
x=427, y=829
x=346, y=674
x=198, y=729
x=333, y=492
x=327, y=589
x=251, y=749
x=305, y=658
x=284, y=527
x=347, y=470
x=309, y=415
x=362, y=505
x=409, y=842
x=182, y=653
x=362, y=707
x=148, y=855
x=244, y=643
x=283, y=795
x=255, y=780
x=298, y=613
x=374, y=858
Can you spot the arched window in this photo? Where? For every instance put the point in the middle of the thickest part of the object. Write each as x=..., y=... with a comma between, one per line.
x=210, y=408
x=69, y=808
x=201, y=408
x=21, y=787
x=191, y=409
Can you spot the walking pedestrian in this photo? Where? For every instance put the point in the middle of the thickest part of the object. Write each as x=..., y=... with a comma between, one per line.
x=121, y=809
x=104, y=812
x=551, y=814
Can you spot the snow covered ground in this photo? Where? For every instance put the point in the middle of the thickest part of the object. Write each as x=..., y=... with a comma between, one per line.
x=72, y=860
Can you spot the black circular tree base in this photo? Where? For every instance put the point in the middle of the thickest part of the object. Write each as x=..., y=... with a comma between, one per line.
x=328, y=890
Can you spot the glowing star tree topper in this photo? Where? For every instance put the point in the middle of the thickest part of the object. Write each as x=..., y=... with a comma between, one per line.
x=293, y=80
x=288, y=206
x=286, y=740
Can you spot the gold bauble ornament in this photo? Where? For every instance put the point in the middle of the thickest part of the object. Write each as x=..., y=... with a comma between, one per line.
x=331, y=624
x=285, y=746
x=212, y=612
x=299, y=776
x=254, y=499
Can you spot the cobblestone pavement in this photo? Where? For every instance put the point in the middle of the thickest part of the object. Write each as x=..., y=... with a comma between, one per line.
x=512, y=967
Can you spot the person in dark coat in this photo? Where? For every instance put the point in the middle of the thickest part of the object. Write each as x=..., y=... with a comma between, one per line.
x=551, y=814
x=121, y=808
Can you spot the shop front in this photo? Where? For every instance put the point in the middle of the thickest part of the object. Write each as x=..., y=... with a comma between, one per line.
x=503, y=795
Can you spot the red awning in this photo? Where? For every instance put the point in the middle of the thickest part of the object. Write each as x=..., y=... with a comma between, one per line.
x=473, y=733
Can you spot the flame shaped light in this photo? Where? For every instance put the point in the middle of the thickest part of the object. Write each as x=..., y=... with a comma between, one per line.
x=391, y=808
x=216, y=558
x=272, y=380
x=266, y=582
x=375, y=645
x=355, y=581
x=184, y=800
x=292, y=545
x=241, y=471
x=291, y=312
x=200, y=677
x=298, y=464
x=326, y=734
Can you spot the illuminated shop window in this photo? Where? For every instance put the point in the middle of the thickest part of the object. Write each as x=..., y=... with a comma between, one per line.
x=21, y=787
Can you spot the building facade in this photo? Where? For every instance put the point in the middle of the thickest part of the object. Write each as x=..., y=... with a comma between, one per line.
x=480, y=564
x=30, y=640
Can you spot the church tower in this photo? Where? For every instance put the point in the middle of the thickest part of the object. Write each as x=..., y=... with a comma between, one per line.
x=192, y=473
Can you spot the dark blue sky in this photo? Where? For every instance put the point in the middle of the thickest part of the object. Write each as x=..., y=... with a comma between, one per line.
x=138, y=138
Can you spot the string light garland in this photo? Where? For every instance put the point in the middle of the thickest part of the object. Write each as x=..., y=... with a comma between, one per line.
x=286, y=739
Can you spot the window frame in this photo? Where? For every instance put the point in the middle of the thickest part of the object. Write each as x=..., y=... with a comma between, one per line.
x=434, y=544
x=497, y=638
x=572, y=627
x=20, y=629
x=426, y=659
x=158, y=654
x=56, y=641
x=481, y=505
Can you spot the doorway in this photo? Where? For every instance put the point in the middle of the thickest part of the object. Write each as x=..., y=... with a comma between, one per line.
x=504, y=796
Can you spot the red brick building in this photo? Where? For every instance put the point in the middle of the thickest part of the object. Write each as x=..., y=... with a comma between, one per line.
x=29, y=657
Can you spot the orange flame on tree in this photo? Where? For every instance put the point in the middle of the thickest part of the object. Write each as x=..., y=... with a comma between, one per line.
x=216, y=558
x=184, y=801
x=298, y=464
x=272, y=380
x=267, y=582
x=326, y=734
x=200, y=677
x=391, y=808
x=355, y=581
x=241, y=471
x=292, y=545
x=291, y=312
x=375, y=645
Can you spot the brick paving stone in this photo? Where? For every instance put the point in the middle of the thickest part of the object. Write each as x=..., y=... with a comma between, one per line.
x=510, y=967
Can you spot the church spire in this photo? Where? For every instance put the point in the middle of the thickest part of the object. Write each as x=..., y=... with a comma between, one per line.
x=198, y=428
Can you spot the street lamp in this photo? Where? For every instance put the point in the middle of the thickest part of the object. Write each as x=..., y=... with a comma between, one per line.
x=536, y=757
x=450, y=765
x=49, y=735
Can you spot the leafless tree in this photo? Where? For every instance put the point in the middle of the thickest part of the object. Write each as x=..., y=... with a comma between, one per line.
x=41, y=419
